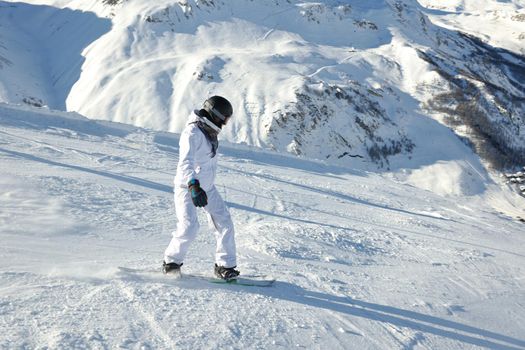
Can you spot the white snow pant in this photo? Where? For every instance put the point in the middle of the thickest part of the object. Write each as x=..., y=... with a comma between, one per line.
x=188, y=226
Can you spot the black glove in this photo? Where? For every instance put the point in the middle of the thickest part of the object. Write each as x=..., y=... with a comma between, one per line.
x=198, y=195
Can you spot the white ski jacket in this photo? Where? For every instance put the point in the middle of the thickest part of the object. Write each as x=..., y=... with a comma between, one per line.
x=196, y=159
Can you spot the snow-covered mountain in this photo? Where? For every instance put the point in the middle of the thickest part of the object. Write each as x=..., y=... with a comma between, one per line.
x=355, y=83
x=361, y=262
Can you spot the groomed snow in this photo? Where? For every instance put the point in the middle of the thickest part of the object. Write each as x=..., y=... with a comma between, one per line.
x=361, y=261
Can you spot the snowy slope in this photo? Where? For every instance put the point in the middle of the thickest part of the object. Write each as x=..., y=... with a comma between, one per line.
x=501, y=23
x=41, y=51
x=356, y=83
x=362, y=262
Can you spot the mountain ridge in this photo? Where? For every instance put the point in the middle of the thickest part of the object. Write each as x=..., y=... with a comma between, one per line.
x=346, y=82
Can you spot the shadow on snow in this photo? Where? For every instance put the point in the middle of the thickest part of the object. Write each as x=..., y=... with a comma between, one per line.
x=352, y=307
x=387, y=314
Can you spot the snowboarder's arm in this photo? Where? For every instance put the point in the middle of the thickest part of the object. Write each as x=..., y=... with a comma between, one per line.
x=188, y=144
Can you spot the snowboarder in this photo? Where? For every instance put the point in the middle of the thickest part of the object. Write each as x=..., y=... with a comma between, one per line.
x=194, y=187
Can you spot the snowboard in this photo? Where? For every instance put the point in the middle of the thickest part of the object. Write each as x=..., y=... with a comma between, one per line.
x=242, y=281
x=247, y=281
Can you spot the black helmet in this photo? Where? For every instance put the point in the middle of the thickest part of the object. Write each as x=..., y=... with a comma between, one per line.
x=219, y=109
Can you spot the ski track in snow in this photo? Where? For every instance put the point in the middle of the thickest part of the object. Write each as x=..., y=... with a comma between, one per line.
x=361, y=262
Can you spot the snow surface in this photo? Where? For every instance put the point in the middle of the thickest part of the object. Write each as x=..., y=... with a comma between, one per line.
x=396, y=238
x=362, y=261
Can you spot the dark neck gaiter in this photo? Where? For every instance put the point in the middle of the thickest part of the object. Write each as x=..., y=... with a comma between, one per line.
x=211, y=135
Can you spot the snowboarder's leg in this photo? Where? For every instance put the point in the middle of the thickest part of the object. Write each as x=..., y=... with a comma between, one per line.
x=219, y=215
x=187, y=227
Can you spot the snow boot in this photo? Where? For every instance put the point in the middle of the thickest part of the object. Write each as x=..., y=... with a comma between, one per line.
x=171, y=268
x=226, y=273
